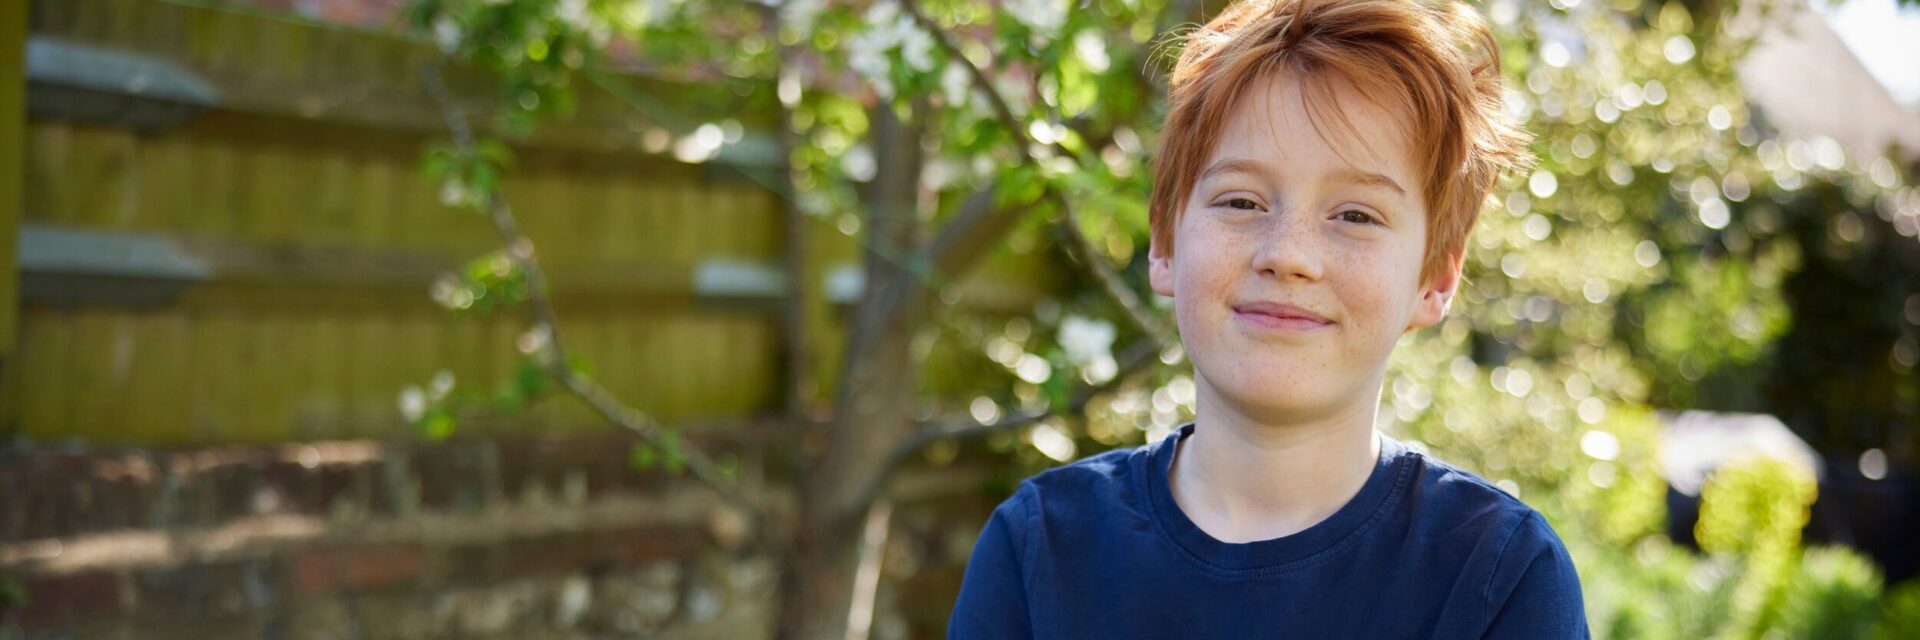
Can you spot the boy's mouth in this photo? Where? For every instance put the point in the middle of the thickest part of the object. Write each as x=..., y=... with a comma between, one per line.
x=1273, y=315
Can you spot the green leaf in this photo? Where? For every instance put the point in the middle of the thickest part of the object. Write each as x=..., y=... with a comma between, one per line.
x=1019, y=185
x=531, y=380
x=496, y=152
x=484, y=180
x=580, y=365
x=1079, y=88
x=670, y=447
x=13, y=595
x=729, y=467
x=437, y=424
x=1059, y=386
x=642, y=457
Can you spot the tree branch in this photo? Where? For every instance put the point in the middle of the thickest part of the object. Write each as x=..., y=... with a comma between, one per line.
x=1077, y=243
x=1081, y=248
x=799, y=360
x=547, y=323
x=1135, y=358
x=978, y=214
x=968, y=234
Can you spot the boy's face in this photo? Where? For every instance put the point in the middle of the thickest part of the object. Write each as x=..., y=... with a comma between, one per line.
x=1278, y=218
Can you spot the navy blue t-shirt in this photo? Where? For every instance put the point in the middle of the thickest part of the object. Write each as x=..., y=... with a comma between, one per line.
x=1099, y=549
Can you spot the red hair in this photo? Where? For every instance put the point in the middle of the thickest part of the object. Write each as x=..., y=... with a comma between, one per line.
x=1435, y=61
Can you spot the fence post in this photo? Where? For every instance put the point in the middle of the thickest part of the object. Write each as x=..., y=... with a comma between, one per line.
x=13, y=150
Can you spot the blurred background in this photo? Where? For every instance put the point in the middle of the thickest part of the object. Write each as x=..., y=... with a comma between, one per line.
x=734, y=319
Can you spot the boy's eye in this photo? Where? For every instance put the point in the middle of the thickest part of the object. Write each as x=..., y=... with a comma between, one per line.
x=1356, y=216
x=1242, y=203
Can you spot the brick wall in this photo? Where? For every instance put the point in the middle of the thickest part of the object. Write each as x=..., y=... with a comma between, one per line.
x=469, y=538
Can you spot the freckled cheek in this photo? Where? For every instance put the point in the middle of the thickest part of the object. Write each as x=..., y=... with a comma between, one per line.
x=1204, y=280
x=1368, y=284
x=1207, y=268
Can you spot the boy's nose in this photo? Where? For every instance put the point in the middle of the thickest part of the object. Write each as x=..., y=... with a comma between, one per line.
x=1289, y=248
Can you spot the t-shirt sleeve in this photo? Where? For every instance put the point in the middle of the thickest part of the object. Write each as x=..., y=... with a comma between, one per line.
x=993, y=594
x=1535, y=592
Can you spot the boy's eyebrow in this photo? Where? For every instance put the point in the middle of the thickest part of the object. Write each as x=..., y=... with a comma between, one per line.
x=1256, y=167
x=1235, y=165
x=1371, y=179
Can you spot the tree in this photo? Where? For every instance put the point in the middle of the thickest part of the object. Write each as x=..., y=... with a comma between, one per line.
x=872, y=97
x=1642, y=256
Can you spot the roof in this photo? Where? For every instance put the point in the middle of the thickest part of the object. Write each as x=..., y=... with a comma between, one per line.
x=1808, y=84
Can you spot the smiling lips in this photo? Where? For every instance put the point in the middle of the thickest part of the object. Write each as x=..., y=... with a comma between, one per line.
x=1280, y=316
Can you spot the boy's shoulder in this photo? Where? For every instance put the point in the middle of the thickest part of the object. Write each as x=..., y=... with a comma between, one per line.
x=1529, y=578
x=1457, y=507
x=1096, y=481
x=1450, y=491
x=1454, y=480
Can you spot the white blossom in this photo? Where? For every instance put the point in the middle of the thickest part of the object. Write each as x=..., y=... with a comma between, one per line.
x=954, y=83
x=867, y=50
x=800, y=14
x=1092, y=50
x=446, y=34
x=1015, y=92
x=888, y=30
x=1086, y=340
x=882, y=12
x=870, y=62
x=858, y=163
x=1044, y=17
x=574, y=14
x=441, y=385
x=413, y=403
x=916, y=47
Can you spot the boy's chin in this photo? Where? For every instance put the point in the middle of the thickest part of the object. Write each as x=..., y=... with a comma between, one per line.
x=1280, y=400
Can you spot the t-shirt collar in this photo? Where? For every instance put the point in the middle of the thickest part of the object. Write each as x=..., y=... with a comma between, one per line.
x=1278, y=554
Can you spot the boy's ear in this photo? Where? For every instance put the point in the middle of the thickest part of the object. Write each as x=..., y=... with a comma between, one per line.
x=1160, y=267
x=1437, y=296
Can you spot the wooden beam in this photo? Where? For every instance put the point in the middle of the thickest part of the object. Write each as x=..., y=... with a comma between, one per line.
x=90, y=84
x=70, y=266
x=75, y=266
x=371, y=79
x=13, y=120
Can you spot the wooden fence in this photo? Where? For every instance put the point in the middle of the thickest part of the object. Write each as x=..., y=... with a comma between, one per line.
x=258, y=269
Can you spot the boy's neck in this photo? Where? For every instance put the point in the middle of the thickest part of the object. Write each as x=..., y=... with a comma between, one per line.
x=1240, y=480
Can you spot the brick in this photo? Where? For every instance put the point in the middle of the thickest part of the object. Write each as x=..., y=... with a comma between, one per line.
x=352, y=569
x=55, y=601
x=201, y=592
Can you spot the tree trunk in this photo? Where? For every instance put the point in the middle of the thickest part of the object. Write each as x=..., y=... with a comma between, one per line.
x=874, y=399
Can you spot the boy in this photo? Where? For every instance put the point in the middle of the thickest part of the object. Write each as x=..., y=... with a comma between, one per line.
x=1319, y=171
